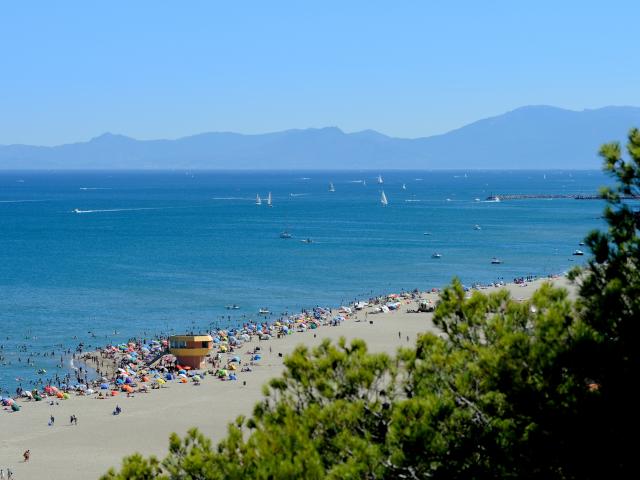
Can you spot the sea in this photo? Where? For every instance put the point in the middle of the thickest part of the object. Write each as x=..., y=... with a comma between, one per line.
x=100, y=257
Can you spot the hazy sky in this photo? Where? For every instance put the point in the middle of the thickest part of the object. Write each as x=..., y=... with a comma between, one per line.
x=71, y=70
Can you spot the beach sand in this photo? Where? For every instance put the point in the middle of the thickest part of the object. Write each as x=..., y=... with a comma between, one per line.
x=101, y=440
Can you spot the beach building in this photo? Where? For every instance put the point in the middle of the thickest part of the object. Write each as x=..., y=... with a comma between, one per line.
x=190, y=350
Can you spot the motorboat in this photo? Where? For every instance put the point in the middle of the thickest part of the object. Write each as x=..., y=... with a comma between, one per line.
x=232, y=307
x=436, y=255
x=493, y=198
x=307, y=240
x=578, y=252
x=477, y=227
x=77, y=210
x=285, y=234
x=496, y=261
x=264, y=311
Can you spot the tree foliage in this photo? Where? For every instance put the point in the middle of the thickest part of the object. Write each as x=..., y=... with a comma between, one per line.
x=533, y=389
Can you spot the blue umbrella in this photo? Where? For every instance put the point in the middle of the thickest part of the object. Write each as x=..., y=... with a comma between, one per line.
x=104, y=386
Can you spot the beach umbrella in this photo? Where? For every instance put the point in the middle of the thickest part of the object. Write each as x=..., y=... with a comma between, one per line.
x=15, y=407
x=235, y=359
x=114, y=393
x=65, y=396
x=60, y=395
x=233, y=377
x=182, y=371
x=104, y=386
x=128, y=380
x=183, y=380
x=196, y=378
x=89, y=391
x=160, y=381
x=257, y=357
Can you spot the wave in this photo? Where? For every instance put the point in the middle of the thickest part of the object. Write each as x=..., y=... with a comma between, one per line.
x=298, y=194
x=95, y=188
x=20, y=201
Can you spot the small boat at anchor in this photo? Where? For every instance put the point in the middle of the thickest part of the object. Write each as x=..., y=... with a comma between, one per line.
x=496, y=261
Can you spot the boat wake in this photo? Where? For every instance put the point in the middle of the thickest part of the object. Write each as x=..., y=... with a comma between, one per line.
x=77, y=210
x=298, y=194
x=95, y=188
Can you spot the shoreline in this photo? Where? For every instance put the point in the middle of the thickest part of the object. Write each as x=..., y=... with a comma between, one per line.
x=101, y=440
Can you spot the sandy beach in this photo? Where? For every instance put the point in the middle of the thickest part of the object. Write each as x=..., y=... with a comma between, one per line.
x=100, y=440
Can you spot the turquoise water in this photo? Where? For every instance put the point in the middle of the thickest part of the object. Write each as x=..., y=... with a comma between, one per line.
x=161, y=251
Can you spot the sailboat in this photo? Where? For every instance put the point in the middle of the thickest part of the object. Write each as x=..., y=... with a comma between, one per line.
x=364, y=183
x=380, y=181
x=383, y=199
x=258, y=199
x=404, y=186
x=269, y=204
x=331, y=187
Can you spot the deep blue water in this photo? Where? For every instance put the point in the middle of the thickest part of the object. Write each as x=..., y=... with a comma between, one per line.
x=171, y=249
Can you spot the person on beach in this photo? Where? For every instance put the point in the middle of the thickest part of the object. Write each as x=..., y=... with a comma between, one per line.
x=26, y=455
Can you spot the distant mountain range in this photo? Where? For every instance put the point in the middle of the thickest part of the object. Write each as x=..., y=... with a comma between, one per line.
x=534, y=137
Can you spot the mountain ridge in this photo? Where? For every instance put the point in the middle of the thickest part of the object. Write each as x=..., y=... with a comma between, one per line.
x=528, y=137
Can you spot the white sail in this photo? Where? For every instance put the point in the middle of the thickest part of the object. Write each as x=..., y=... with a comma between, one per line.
x=380, y=179
x=404, y=186
x=331, y=187
x=269, y=200
x=258, y=200
x=364, y=182
x=383, y=199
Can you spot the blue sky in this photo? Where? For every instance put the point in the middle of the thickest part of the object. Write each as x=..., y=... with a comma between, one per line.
x=71, y=70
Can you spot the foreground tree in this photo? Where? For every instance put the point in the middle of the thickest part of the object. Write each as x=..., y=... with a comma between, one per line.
x=533, y=389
